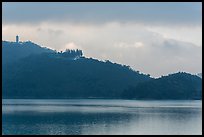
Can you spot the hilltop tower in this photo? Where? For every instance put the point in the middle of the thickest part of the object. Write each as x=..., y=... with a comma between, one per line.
x=17, y=39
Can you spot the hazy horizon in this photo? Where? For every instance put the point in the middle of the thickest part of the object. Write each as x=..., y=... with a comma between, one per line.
x=153, y=38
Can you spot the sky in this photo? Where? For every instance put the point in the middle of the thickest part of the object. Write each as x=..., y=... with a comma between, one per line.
x=151, y=37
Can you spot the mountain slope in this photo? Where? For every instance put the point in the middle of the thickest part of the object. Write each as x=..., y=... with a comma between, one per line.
x=12, y=51
x=52, y=75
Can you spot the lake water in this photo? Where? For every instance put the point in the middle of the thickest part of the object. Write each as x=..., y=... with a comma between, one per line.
x=98, y=116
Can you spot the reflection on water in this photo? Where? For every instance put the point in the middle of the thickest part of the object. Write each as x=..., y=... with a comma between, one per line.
x=101, y=117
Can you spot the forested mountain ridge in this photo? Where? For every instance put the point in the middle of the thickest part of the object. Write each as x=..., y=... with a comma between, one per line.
x=45, y=73
x=51, y=75
x=12, y=51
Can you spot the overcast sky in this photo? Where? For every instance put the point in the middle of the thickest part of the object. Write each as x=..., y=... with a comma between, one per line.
x=154, y=38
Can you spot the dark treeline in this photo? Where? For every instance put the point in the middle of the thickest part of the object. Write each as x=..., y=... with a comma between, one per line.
x=71, y=53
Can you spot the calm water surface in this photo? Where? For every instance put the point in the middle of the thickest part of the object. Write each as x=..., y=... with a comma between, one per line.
x=97, y=116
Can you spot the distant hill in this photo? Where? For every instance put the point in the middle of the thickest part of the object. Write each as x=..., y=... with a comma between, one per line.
x=13, y=51
x=31, y=71
x=174, y=86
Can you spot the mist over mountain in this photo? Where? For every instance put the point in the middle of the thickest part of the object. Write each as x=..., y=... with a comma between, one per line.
x=199, y=75
x=31, y=71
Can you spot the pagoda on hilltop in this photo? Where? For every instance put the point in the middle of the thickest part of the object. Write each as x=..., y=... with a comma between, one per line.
x=17, y=39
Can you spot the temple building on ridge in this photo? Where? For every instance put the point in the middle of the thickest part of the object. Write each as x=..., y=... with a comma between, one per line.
x=17, y=39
